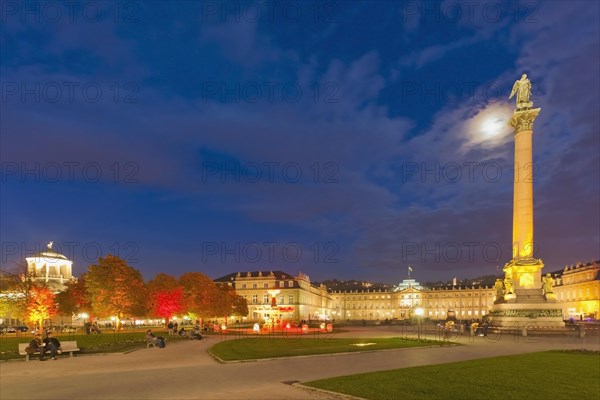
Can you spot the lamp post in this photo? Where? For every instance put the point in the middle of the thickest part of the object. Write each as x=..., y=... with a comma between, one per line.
x=419, y=312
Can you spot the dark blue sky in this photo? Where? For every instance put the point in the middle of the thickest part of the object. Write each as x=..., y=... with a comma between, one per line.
x=341, y=139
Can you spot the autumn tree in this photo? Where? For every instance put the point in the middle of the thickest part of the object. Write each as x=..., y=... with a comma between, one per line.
x=233, y=304
x=201, y=296
x=74, y=298
x=40, y=305
x=165, y=296
x=12, y=301
x=115, y=288
x=239, y=306
x=16, y=286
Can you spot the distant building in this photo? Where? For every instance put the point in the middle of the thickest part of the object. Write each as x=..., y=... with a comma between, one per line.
x=577, y=289
x=276, y=294
x=51, y=267
x=402, y=301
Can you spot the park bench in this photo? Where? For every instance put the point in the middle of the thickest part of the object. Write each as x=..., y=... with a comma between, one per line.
x=192, y=332
x=150, y=341
x=65, y=347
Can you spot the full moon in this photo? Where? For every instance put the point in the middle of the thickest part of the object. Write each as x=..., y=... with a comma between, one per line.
x=492, y=126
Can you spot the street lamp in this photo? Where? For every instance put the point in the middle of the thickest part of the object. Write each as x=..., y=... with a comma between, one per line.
x=419, y=312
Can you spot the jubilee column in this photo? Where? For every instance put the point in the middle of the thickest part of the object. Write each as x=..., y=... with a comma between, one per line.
x=522, y=301
x=523, y=272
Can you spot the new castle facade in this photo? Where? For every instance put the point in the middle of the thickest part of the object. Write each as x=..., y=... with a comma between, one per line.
x=277, y=294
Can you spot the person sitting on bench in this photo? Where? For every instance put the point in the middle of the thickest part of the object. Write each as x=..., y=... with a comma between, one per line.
x=150, y=336
x=52, y=345
x=36, y=345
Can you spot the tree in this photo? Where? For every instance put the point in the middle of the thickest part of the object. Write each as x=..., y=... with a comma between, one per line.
x=115, y=288
x=165, y=296
x=239, y=306
x=233, y=304
x=40, y=305
x=200, y=295
x=74, y=298
x=16, y=287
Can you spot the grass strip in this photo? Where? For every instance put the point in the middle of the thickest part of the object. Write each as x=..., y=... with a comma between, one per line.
x=545, y=375
x=107, y=342
x=271, y=347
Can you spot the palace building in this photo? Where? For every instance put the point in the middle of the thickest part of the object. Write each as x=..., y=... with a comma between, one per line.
x=277, y=294
x=577, y=289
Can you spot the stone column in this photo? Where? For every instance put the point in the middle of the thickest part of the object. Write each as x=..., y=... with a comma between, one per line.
x=522, y=122
x=524, y=270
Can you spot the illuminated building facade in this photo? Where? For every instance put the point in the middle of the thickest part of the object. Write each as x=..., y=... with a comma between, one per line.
x=401, y=303
x=50, y=267
x=577, y=290
x=279, y=295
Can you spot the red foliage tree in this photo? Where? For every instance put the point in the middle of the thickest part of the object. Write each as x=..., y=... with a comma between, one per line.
x=165, y=296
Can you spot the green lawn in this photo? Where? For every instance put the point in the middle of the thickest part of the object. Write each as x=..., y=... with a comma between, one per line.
x=269, y=347
x=107, y=342
x=549, y=375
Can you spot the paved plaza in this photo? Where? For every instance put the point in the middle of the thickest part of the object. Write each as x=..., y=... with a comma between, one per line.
x=185, y=370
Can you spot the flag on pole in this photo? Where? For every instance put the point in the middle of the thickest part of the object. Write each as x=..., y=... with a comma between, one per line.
x=409, y=269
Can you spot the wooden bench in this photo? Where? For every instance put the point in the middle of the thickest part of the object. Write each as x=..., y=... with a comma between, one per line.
x=65, y=347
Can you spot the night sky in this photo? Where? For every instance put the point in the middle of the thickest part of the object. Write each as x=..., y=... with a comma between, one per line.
x=341, y=139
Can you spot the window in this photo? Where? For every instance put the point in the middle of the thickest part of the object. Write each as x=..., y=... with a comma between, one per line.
x=291, y=299
x=255, y=298
x=254, y=286
x=290, y=283
x=282, y=299
x=266, y=298
x=243, y=286
x=266, y=285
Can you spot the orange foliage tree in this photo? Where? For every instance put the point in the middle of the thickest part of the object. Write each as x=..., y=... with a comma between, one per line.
x=202, y=296
x=40, y=305
x=115, y=288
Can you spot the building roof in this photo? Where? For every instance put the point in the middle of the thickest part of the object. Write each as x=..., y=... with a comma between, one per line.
x=575, y=268
x=254, y=274
x=49, y=253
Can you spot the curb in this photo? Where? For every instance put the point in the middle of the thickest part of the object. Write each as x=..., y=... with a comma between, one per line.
x=329, y=392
